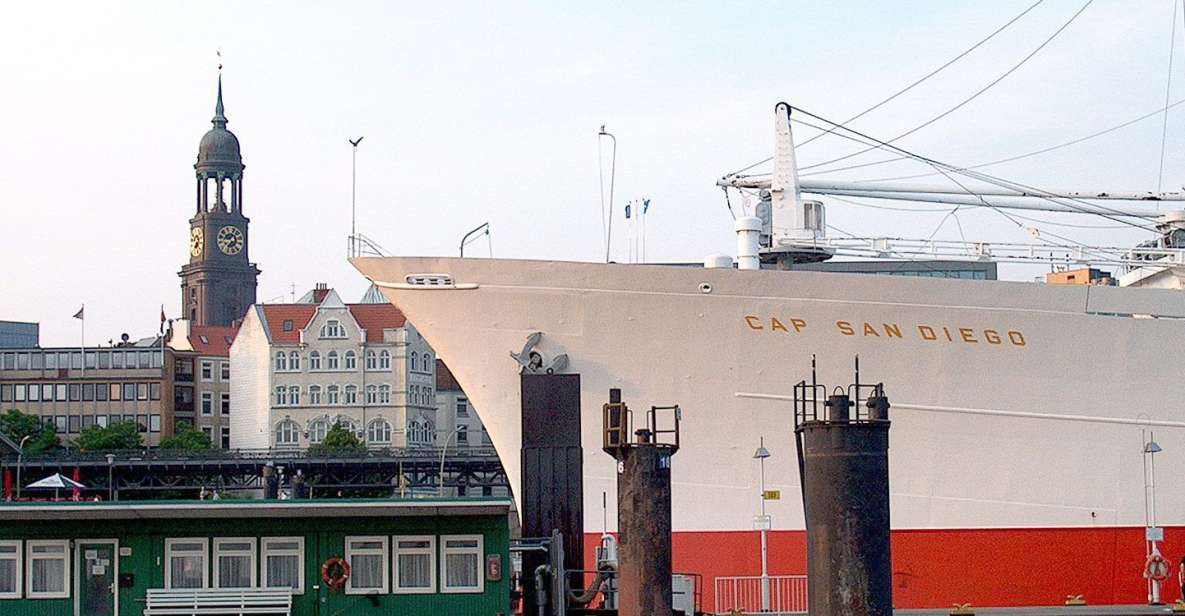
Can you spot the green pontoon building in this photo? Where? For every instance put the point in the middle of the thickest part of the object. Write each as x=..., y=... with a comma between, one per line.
x=335, y=557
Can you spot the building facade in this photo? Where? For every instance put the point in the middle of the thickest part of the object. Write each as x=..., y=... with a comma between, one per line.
x=75, y=388
x=219, y=281
x=19, y=335
x=202, y=389
x=302, y=368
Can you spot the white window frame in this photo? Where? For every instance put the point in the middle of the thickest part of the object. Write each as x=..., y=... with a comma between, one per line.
x=376, y=423
x=350, y=360
x=206, y=365
x=266, y=551
x=224, y=371
x=333, y=394
x=430, y=551
x=295, y=430
x=384, y=360
x=207, y=403
x=385, y=562
x=18, y=570
x=169, y=555
x=314, y=361
x=65, y=558
x=332, y=361
x=332, y=329
x=315, y=395
x=445, y=551
x=218, y=543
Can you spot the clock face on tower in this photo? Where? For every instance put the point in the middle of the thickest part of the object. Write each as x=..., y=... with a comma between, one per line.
x=195, y=241
x=230, y=240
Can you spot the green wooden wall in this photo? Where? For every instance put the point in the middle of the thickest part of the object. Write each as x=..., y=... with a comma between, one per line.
x=324, y=538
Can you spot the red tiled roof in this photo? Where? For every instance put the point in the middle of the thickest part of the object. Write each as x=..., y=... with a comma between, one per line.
x=212, y=339
x=374, y=318
x=445, y=381
x=276, y=314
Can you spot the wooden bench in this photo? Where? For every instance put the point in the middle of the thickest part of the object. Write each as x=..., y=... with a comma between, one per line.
x=222, y=601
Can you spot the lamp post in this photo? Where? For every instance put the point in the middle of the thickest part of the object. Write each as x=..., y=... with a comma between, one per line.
x=1152, y=533
x=110, y=476
x=20, y=453
x=443, y=450
x=760, y=455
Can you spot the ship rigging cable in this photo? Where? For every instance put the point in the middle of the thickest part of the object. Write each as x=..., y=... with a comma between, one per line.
x=938, y=210
x=1168, y=88
x=915, y=83
x=1083, y=207
x=998, y=161
x=967, y=100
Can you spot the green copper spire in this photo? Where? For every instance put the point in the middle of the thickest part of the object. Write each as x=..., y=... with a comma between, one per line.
x=219, y=120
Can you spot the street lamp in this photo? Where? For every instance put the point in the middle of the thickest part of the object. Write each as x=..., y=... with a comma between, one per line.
x=110, y=476
x=20, y=452
x=443, y=450
x=1152, y=534
x=760, y=455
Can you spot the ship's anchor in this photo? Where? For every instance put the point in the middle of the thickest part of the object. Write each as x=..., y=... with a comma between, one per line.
x=531, y=361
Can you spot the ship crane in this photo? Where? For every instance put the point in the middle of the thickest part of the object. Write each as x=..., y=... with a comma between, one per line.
x=794, y=229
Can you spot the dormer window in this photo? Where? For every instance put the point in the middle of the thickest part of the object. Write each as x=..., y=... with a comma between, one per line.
x=287, y=325
x=204, y=339
x=333, y=329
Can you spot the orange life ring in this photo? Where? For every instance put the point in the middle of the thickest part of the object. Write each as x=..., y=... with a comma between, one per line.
x=1156, y=568
x=334, y=572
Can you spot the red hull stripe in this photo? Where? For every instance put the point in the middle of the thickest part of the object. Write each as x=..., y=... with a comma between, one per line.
x=940, y=567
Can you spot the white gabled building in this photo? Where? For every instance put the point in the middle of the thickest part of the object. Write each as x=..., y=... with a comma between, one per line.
x=300, y=368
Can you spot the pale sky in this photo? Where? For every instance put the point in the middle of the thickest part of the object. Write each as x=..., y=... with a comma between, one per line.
x=479, y=112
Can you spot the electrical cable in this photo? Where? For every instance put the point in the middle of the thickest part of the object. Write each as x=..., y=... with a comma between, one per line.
x=967, y=100
x=915, y=83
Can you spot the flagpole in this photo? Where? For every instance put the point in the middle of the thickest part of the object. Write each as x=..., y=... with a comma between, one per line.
x=82, y=346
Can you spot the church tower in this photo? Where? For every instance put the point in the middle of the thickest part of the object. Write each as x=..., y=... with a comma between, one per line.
x=218, y=283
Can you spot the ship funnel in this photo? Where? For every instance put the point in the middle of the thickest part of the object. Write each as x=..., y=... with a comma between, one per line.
x=748, y=229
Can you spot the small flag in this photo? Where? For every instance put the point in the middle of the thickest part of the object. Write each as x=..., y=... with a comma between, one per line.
x=627, y=210
x=78, y=315
x=162, y=318
x=645, y=205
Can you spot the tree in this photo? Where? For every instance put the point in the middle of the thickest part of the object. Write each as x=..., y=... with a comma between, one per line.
x=119, y=435
x=17, y=425
x=186, y=437
x=338, y=440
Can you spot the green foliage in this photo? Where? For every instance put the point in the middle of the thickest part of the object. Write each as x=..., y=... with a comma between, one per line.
x=188, y=438
x=337, y=441
x=17, y=425
x=119, y=435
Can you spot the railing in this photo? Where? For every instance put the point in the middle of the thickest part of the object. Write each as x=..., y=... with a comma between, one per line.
x=276, y=454
x=787, y=594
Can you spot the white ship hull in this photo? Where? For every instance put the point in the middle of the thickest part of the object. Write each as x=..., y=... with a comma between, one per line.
x=1016, y=464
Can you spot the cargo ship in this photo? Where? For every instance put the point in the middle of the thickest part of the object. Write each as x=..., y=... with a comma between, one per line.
x=1022, y=412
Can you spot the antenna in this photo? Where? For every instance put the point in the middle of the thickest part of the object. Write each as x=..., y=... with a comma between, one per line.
x=354, y=196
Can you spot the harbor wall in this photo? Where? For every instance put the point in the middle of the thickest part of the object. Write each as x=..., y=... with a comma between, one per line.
x=935, y=568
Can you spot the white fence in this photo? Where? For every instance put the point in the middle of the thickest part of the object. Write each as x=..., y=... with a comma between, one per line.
x=787, y=594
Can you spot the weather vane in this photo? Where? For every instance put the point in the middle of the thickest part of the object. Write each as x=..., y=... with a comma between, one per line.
x=219, y=52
